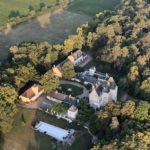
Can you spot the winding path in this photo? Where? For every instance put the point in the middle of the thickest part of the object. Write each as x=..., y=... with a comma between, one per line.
x=85, y=91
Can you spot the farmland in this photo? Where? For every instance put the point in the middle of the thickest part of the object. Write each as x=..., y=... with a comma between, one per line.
x=91, y=7
x=6, y=6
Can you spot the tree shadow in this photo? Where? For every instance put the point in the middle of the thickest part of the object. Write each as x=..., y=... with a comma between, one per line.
x=31, y=147
x=1, y=141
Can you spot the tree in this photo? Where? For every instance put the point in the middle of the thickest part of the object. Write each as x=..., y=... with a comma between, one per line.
x=68, y=46
x=128, y=108
x=13, y=14
x=114, y=108
x=23, y=74
x=51, y=57
x=133, y=73
x=85, y=113
x=103, y=121
x=68, y=70
x=91, y=38
x=115, y=123
x=31, y=8
x=78, y=41
x=42, y=5
x=145, y=89
x=49, y=81
x=96, y=147
x=8, y=97
x=142, y=111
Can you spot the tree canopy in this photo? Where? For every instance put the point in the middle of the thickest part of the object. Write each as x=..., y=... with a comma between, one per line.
x=49, y=81
x=8, y=97
x=68, y=70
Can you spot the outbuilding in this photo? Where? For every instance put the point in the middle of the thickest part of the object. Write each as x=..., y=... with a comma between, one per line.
x=62, y=135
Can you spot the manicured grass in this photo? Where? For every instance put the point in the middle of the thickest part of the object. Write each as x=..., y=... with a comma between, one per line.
x=19, y=5
x=91, y=7
x=23, y=137
x=75, y=89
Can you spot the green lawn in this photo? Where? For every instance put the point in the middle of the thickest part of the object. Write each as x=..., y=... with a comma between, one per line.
x=91, y=7
x=23, y=137
x=75, y=89
x=21, y=5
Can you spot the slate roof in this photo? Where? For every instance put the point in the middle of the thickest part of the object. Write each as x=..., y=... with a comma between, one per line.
x=101, y=81
x=57, y=95
x=101, y=75
x=63, y=98
x=88, y=78
x=70, y=101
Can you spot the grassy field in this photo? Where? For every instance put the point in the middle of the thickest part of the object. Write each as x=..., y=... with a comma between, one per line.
x=21, y=5
x=75, y=90
x=91, y=7
x=23, y=137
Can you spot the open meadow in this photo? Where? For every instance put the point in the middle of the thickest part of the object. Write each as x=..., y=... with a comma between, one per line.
x=6, y=6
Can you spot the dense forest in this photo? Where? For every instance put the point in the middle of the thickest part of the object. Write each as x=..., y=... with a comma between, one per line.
x=120, y=39
x=123, y=126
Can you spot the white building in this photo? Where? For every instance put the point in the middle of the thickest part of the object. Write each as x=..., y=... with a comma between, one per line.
x=72, y=112
x=100, y=96
x=66, y=136
x=77, y=57
x=104, y=88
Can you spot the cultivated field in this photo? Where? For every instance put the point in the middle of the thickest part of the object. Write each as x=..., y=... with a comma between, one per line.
x=91, y=7
x=19, y=5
